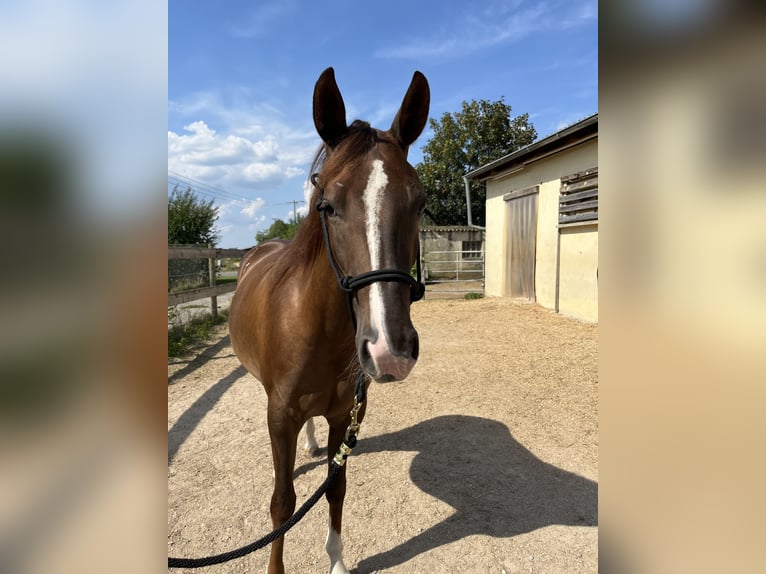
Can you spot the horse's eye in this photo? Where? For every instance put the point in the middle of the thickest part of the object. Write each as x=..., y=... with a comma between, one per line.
x=327, y=207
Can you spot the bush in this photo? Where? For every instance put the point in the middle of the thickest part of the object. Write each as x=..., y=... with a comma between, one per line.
x=182, y=337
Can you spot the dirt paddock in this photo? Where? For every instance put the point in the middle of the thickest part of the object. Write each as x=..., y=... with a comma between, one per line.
x=484, y=460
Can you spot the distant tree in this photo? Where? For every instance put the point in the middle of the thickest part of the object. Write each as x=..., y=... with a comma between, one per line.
x=279, y=230
x=191, y=220
x=481, y=132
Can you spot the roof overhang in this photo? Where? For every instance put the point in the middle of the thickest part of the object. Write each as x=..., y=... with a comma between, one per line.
x=571, y=136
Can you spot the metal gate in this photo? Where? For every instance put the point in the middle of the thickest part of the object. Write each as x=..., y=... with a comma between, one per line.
x=460, y=271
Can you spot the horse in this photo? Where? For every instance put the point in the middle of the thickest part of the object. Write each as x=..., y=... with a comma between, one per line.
x=309, y=316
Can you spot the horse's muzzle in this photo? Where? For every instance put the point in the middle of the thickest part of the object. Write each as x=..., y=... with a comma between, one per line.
x=385, y=365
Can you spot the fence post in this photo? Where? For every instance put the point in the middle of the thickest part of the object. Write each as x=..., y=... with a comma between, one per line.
x=213, y=298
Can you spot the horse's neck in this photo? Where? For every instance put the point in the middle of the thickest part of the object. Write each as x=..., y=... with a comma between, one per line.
x=322, y=285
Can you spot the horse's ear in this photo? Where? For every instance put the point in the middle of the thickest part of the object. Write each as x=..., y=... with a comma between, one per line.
x=413, y=113
x=329, y=110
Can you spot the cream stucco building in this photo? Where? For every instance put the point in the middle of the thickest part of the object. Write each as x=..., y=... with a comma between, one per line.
x=542, y=222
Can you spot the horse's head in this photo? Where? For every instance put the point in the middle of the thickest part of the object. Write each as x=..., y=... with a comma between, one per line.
x=372, y=200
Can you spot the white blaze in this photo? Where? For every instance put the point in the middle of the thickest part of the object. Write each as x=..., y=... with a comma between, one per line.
x=373, y=199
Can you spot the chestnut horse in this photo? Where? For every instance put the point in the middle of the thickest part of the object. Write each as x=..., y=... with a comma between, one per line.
x=301, y=334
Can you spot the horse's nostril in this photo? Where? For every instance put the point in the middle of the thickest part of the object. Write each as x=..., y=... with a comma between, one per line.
x=364, y=351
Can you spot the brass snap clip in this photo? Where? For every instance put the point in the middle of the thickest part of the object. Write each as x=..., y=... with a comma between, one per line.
x=349, y=442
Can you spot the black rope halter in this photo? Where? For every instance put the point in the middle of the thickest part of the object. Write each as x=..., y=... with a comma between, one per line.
x=351, y=283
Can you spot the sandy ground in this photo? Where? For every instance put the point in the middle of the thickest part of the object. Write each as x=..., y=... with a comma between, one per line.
x=484, y=460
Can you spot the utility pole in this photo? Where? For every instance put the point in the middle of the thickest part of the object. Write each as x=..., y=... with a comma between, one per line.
x=295, y=210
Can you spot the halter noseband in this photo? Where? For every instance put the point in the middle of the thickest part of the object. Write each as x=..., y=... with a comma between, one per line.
x=351, y=283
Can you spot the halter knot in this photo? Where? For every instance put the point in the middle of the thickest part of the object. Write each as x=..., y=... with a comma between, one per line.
x=345, y=283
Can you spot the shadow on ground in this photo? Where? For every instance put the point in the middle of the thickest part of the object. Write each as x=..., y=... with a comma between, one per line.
x=192, y=416
x=207, y=354
x=496, y=486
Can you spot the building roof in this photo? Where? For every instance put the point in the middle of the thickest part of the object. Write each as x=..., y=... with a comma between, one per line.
x=445, y=228
x=577, y=133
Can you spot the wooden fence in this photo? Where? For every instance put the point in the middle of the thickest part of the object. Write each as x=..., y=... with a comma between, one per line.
x=211, y=254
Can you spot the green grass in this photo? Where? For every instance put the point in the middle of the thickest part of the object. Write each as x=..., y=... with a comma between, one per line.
x=185, y=286
x=182, y=338
x=225, y=280
x=471, y=296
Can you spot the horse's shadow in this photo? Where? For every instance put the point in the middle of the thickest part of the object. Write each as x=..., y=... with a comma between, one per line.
x=496, y=486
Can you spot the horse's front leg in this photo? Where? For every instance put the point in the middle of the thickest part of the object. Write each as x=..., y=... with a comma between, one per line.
x=335, y=496
x=336, y=493
x=284, y=437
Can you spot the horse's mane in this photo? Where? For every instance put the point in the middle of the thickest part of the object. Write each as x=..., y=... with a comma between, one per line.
x=309, y=243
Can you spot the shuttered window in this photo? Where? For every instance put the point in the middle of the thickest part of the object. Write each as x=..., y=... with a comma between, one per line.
x=578, y=197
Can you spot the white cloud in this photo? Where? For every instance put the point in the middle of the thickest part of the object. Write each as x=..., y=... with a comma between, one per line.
x=261, y=18
x=233, y=161
x=232, y=140
x=239, y=220
x=202, y=146
x=492, y=24
x=251, y=209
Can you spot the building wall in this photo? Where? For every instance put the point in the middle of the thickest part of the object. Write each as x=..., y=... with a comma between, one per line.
x=495, y=242
x=578, y=283
x=547, y=237
x=547, y=174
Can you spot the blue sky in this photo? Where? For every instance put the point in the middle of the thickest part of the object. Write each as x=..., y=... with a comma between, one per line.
x=241, y=76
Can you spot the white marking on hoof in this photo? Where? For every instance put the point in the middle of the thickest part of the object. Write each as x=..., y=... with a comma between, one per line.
x=334, y=547
x=311, y=442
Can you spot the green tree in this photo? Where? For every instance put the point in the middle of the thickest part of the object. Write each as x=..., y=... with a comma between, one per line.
x=279, y=230
x=481, y=132
x=191, y=220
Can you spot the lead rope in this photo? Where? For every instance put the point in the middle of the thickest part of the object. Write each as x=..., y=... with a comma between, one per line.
x=349, y=442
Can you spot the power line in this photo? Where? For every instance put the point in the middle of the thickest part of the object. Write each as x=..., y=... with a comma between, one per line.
x=208, y=190
x=213, y=191
x=204, y=191
x=205, y=187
